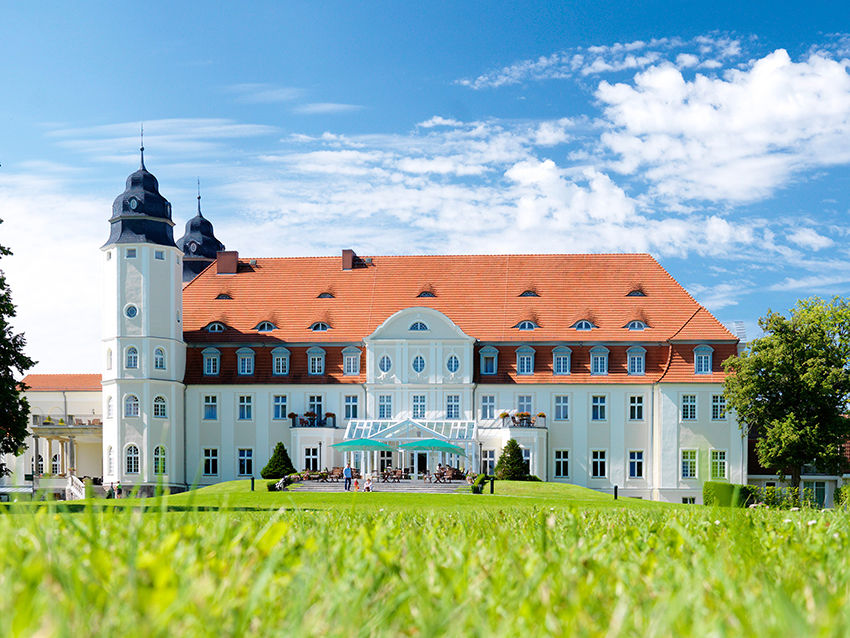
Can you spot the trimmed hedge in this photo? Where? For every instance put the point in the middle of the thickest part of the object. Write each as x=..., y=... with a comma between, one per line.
x=727, y=494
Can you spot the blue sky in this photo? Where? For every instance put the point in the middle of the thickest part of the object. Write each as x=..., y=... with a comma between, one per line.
x=714, y=136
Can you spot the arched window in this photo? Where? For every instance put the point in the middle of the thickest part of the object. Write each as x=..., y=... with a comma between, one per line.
x=109, y=408
x=109, y=358
x=159, y=460
x=637, y=292
x=110, y=462
x=426, y=293
x=54, y=464
x=280, y=361
x=159, y=359
x=488, y=360
x=636, y=325
x=215, y=326
x=320, y=326
x=453, y=363
x=212, y=357
x=245, y=361
x=702, y=359
x=325, y=295
x=385, y=363
x=265, y=326
x=599, y=360
x=132, y=357
x=223, y=295
x=159, y=410
x=40, y=465
x=525, y=360
x=529, y=293
x=418, y=326
x=316, y=361
x=526, y=325
x=131, y=460
x=131, y=405
x=561, y=360
x=637, y=360
x=418, y=363
x=583, y=324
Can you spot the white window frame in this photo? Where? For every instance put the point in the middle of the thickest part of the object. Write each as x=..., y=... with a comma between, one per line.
x=636, y=358
x=597, y=457
x=689, y=408
x=488, y=406
x=131, y=358
x=215, y=326
x=635, y=461
x=316, y=403
x=636, y=324
x=561, y=361
x=692, y=472
x=280, y=407
x=418, y=406
x=315, y=361
x=132, y=459
x=562, y=407
x=280, y=362
x=311, y=459
x=385, y=406
x=160, y=407
x=488, y=461
x=385, y=363
x=599, y=361
x=718, y=407
x=703, y=359
x=132, y=407
x=210, y=461
x=159, y=358
x=525, y=403
x=526, y=325
x=210, y=401
x=636, y=407
x=350, y=361
x=351, y=404
x=245, y=407
x=212, y=362
x=245, y=362
x=715, y=460
x=265, y=326
x=583, y=325
x=486, y=354
x=320, y=326
x=562, y=458
x=452, y=407
x=525, y=361
x=599, y=409
x=159, y=254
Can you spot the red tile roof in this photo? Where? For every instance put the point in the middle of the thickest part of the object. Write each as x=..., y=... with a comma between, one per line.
x=60, y=382
x=480, y=293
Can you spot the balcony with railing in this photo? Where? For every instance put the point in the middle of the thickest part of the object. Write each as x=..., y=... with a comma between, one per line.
x=313, y=420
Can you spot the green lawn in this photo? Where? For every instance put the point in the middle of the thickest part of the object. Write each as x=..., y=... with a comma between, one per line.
x=532, y=560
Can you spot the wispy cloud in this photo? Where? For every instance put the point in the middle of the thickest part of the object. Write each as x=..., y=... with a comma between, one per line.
x=325, y=108
x=260, y=93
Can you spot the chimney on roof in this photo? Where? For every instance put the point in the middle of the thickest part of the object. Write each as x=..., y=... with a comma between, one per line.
x=226, y=262
x=348, y=258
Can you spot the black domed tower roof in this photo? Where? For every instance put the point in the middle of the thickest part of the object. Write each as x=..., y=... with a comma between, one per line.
x=140, y=213
x=199, y=244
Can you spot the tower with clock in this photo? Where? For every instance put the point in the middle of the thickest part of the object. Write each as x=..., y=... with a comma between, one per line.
x=199, y=244
x=144, y=353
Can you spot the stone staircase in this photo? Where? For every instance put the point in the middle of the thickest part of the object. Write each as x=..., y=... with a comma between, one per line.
x=408, y=486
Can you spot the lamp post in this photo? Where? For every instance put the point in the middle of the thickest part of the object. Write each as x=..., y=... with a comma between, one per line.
x=320, y=456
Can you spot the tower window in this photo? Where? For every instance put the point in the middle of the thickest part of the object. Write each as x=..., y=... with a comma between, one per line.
x=131, y=460
x=159, y=359
x=131, y=405
x=132, y=358
x=159, y=254
x=131, y=253
x=159, y=410
x=131, y=311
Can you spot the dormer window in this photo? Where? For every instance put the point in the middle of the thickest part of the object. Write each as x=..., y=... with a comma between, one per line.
x=316, y=361
x=320, y=326
x=526, y=325
x=489, y=360
x=561, y=360
x=351, y=360
x=418, y=326
x=325, y=295
x=280, y=361
x=636, y=325
x=637, y=292
x=525, y=360
x=245, y=359
x=212, y=359
x=702, y=359
x=265, y=326
x=426, y=293
x=215, y=327
x=637, y=360
x=599, y=360
x=223, y=295
x=583, y=324
x=529, y=293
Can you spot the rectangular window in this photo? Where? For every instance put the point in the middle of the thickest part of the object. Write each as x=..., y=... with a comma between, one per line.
x=488, y=364
x=351, y=364
x=210, y=461
x=636, y=408
x=562, y=463
x=279, y=412
x=523, y=403
x=636, y=363
x=689, y=500
x=562, y=408
x=418, y=406
x=311, y=458
x=210, y=407
x=598, y=467
x=159, y=254
x=351, y=406
x=488, y=461
x=599, y=363
x=317, y=364
x=718, y=464
x=385, y=406
x=246, y=407
x=314, y=404
x=562, y=364
x=488, y=406
x=689, y=407
x=131, y=253
x=525, y=364
x=702, y=364
x=246, y=461
x=246, y=364
x=718, y=407
x=210, y=364
x=636, y=464
x=689, y=464
x=453, y=406
x=281, y=364
x=597, y=408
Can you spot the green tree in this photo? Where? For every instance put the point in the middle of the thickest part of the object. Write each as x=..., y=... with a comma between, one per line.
x=511, y=465
x=790, y=388
x=14, y=408
x=279, y=464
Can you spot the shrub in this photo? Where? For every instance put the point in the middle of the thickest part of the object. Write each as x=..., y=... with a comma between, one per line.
x=511, y=466
x=842, y=496
x=478, y=483
x=272, y=486
x=726, y=494
x=279, y=464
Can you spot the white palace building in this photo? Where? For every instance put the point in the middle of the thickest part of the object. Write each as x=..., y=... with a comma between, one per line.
x=602, y=367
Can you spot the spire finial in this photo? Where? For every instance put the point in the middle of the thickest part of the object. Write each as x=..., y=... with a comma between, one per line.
x=142, y=147
x=199, y=197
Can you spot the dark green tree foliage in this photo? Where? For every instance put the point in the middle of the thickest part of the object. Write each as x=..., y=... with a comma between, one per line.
x=791, y=387
x=279, y=464
x=511, y=466
x=14, y=409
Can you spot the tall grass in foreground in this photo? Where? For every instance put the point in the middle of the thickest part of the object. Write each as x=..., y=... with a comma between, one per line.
x=365, y=573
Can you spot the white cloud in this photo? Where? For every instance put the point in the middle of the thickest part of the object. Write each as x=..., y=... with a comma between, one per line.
x=325, y=108
x=809, y=238
x=260, y=93
x=439, y=121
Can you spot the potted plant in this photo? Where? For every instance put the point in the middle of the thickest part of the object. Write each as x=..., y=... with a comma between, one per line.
x=292, y=416
x=540, y=415
x=503, y=416
x=311, y=417
x=330, y=419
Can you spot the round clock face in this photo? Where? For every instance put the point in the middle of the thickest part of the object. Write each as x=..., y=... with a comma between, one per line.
x=193, y=246
x=134, y=203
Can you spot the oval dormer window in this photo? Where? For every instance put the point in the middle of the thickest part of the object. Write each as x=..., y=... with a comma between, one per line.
x=584, y=324
x=529, y=293
x=265, y=326
x=636, y=325
x=223, y=295
x=320, y=326
x=426, y=293
x=526, y=325
x=215, y=327
x=637, y=292
x=326, y=295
